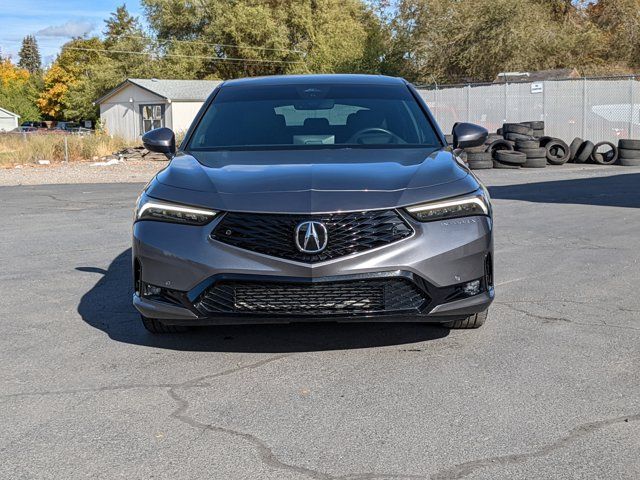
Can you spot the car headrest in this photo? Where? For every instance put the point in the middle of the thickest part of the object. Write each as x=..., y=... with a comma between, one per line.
x=317, y=124
x=364, y=119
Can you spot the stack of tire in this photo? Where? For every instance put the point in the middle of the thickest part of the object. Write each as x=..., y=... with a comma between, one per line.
x=629, y=153
x=517, y=131
x=537, y=128
x=478, y=158
x=482, y=157
x=535, y=155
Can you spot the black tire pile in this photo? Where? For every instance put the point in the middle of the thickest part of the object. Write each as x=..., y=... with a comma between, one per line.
x=629, y=153
x=524, y=145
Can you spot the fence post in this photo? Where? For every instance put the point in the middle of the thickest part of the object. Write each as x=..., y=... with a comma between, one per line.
x=66, y=149
x=437, y=105
x=632, y=106
x=468, y=102
x=544, y=101
x=506, y=98
x=584, y=107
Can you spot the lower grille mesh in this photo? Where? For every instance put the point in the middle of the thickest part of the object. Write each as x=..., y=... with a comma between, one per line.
x=312, y=299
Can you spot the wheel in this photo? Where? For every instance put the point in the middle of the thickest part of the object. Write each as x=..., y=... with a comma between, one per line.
x=608, y=157
x=472, y=321
x=558, y=152
x=505, y=166
x=480, y=164
x=631, y=154
x=511, y=158
x=534, y=152
x=536, y=125
x=499, y=145
x=629, y=162
x=584, y=152
x=478, y=149
x=629, y=144
x=517, y=128
x=538, y=133
x=514, y=137
x=478, y=156
x=546, y=139
x=535, y=163
x=157, y=327
x=527, y=144
x=573, y=148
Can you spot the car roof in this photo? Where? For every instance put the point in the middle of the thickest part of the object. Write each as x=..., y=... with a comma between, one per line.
x=353, y=79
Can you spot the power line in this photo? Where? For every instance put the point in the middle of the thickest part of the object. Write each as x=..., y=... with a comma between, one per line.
x=289, y=50
x=177, y=55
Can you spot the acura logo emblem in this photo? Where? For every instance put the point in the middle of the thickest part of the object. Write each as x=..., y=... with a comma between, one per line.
x=311, y=237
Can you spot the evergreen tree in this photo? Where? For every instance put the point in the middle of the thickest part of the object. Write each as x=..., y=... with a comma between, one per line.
x=120, y=24
x=30, y=55
x=128, y=45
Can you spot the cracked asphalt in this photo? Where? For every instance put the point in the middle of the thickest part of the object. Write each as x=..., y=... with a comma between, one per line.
x=548, y=388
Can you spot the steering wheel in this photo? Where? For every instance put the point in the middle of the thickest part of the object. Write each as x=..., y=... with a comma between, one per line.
x=356, y=137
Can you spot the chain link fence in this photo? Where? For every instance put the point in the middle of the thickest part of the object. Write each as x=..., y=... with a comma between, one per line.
x=596, y=109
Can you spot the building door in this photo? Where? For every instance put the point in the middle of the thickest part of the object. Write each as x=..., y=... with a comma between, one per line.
x=152, y=117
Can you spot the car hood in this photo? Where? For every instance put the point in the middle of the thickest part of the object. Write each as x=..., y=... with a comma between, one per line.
x=311, y=181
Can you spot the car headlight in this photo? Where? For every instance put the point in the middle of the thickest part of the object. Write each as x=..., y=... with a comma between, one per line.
x=149, y=208
x=467, y=206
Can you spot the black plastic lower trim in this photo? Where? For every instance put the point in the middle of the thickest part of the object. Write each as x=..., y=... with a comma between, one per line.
x=433, y=296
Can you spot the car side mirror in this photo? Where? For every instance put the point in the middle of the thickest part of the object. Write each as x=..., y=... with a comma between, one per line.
x=466, y=135
x=160, y=140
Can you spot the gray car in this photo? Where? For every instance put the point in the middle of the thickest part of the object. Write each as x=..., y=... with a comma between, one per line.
x=313, y=198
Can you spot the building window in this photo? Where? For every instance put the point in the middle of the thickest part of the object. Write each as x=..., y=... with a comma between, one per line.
x=152, y=117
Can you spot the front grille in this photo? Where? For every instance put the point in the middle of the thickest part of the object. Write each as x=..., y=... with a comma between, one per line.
x=351, y=297
x=348, y=233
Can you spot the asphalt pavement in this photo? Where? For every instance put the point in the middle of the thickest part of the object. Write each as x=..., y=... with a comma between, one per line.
x=548, y=388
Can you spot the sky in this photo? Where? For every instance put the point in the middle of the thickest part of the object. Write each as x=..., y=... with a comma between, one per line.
x=54, y=22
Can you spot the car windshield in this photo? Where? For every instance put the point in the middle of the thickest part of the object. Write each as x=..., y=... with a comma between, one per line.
x=308, y=116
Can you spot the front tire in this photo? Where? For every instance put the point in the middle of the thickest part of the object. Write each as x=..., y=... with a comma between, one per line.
x=472, y=321
x=156, y=327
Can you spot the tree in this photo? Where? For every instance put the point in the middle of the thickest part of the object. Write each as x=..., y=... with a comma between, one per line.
x=619, y=20
x=18, y=91
x=128, y=45
x=474, y=41
x=120, y=24
x=52, y=100
x=81, y=73
x=244, y=38
x=30, y=55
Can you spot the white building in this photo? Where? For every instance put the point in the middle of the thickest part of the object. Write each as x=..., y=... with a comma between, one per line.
x=8, y=120
x=138, y=105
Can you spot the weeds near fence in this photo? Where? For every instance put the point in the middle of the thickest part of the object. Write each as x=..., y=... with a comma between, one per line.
x=31, y=147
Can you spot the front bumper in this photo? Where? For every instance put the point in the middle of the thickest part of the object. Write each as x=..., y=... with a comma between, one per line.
x=440, y=257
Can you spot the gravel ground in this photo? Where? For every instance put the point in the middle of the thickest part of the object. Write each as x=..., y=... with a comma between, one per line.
x=136, y=171
x=548, y=388
x=129, y=171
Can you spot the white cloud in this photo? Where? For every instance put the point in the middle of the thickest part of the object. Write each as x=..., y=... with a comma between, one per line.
x=68, y=29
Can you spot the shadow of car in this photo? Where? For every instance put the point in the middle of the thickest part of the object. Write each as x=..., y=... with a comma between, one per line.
x=107, y=306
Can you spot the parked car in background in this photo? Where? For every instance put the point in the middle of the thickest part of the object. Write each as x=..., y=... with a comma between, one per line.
x=67, y=126
x=72, y=127
x=34, y=124
x=24, y=129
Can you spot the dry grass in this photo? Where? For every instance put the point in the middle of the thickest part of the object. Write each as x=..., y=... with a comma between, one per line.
x=29, y=148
